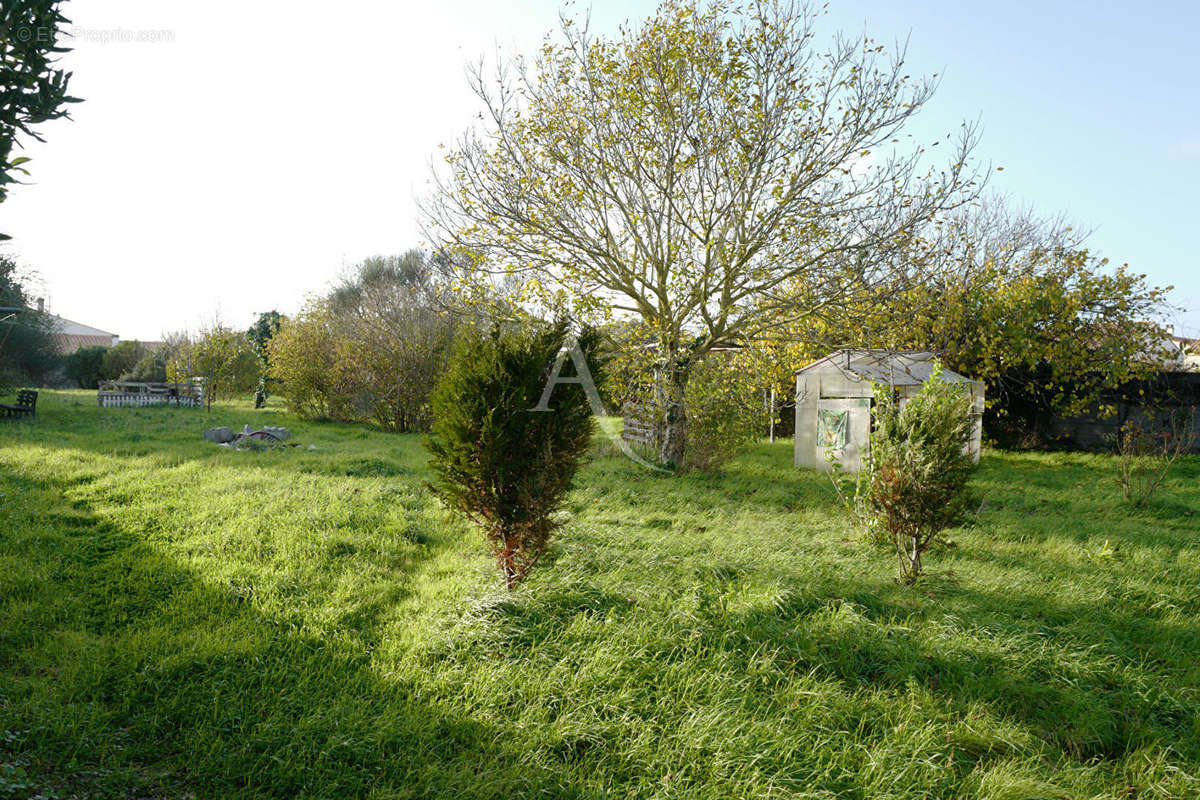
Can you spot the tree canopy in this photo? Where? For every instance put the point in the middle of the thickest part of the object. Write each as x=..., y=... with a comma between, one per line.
x=1016, y=300
x=32, y=89
x=27, y=352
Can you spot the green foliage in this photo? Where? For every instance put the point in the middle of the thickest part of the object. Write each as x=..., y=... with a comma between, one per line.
x=683, y=170
x=151, y=368
x=503, y=465
x=260, y=334
x=27, y=352
x=919, y=467
x=265, y=326
x=725, y=412
x=222, y=356
x=32, y=91
x=1147, y=449
x=85, y=365
x=393, y=339
x=120, y=360
x=853, y=492
x=1049, y=340
x=371, y=350
x=1015, y=301
x=302, y=361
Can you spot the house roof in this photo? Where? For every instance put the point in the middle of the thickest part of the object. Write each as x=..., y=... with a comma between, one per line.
x=891, y=367
x=70, y=336
x=67, y=327
x=68, y=343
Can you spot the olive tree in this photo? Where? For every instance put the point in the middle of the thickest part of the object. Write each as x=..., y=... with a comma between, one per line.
x=683, y=171
x=394, y=337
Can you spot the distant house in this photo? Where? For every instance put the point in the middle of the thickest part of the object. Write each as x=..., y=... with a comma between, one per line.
x=69, y=336
x=1189, y=353
x=1166, y=351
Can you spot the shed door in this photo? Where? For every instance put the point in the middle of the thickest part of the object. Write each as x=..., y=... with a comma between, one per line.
x=844, y=430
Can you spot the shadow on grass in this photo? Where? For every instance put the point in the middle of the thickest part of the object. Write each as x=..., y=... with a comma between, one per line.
x=126, y=675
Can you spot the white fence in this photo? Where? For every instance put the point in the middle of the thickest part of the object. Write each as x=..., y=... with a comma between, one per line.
x=129, y=394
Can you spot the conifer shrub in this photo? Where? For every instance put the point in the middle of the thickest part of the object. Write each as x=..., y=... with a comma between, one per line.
x=920, y=467
x=500, y=463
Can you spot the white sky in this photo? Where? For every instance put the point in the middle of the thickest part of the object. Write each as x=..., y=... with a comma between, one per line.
x=244, y=159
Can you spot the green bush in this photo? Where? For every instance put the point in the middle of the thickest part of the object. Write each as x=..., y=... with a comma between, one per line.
x=1146, y=451
x=84, y=366
x=27, y=352
x=121, y=359
x=501, y=464
x=260, y=334
x=370, y=351
x=725, y=413
x=303, y=364
x=919, y=467
x=152, y=368
x=225, y=358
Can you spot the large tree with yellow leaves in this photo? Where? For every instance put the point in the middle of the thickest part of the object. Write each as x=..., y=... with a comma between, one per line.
x=687, y=170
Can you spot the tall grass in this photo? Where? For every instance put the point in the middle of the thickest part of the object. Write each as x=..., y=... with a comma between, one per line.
x=178, y=618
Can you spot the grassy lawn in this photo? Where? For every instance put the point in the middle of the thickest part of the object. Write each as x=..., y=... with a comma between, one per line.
x=182, y=620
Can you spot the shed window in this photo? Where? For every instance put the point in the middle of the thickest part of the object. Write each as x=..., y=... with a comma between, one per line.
x=833, y=429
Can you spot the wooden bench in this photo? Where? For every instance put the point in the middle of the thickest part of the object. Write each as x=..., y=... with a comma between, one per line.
x=25, y=406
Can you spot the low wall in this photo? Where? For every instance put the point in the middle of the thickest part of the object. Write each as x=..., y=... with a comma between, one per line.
x=1150, y=403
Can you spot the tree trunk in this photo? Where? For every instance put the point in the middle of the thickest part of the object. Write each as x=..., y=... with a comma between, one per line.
x=910, y=560
x=672, y=445
x=771, y=411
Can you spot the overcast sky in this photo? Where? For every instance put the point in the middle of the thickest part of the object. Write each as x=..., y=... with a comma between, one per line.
x=232, y=157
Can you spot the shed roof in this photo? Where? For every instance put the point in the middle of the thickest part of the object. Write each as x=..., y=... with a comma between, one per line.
x=891, y=367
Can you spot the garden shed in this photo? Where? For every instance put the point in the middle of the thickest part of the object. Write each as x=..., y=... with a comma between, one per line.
x=834, y=398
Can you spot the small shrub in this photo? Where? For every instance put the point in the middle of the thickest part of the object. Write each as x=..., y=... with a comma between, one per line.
x=853, y=492
x=152, y=368
x=83, y=366
x=121, y=359
x=302, y=363
x=1145, y=457
x=225, y=359
x=919, y=468
x=725, y=413
x=502, y=465
x=370, y=351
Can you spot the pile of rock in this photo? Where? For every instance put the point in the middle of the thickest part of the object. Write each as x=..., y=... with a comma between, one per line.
x=267, y=434
x=219, y=435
